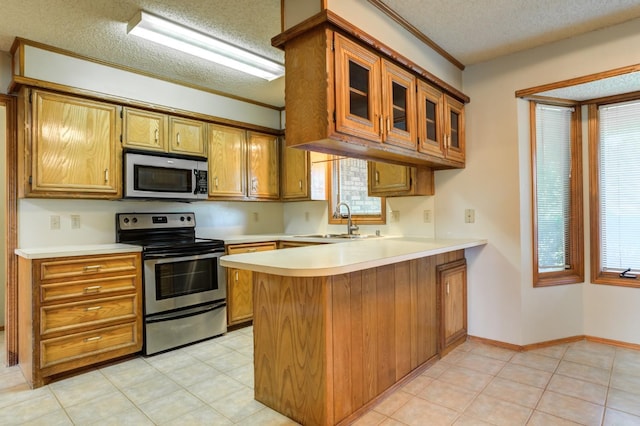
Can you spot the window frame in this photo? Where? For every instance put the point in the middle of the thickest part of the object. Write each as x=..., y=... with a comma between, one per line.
x=574, y=274
x=359, y=219
x=598, y=276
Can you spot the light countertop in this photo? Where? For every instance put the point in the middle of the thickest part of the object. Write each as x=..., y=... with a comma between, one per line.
x=80, y=250
x=350, y=256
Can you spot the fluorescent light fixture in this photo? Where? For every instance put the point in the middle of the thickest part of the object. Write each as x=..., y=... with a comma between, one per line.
x=184, y=39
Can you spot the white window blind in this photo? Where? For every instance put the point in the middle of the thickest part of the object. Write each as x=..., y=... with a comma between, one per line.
x=620, y=186
x=553, y=186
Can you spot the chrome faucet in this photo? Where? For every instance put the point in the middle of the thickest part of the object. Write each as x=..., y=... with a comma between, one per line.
x=350, y=226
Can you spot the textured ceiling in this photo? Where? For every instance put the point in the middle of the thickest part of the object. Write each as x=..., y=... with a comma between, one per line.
x=472, y=31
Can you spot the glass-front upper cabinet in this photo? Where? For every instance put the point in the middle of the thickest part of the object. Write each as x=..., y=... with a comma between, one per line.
x=454, y=129
x=398, y=105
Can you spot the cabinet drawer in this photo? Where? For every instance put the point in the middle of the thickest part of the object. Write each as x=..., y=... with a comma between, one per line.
x=88, y=288
x=81, y=314
x=250, y=248
x=85, y=345
x=71, y=268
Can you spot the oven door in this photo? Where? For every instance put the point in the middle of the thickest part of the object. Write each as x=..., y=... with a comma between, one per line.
x=175, y=282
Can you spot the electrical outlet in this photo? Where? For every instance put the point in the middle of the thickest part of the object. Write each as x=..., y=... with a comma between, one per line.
x=75, y=221
x=256, y=217
x=426, y=216
x=395, y=215
x=469, y=216
x=54, y=221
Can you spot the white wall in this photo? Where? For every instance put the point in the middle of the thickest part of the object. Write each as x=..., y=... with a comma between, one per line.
x=503, y=305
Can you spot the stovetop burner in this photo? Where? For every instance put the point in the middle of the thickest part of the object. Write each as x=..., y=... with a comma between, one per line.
x=162, y=232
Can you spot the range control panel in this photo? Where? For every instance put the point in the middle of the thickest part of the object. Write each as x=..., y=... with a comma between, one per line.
x=130, y=221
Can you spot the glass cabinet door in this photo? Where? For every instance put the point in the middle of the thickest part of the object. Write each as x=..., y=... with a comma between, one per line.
x=398, y=100
x=357, y=75
x=430, y=122
x=454, y=143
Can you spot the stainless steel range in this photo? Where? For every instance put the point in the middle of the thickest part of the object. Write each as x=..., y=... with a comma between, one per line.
x=184, y=284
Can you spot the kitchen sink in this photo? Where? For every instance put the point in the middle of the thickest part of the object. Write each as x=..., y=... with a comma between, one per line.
x=346, y=236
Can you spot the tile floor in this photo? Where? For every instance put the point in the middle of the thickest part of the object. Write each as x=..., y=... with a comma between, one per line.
x=211, y=383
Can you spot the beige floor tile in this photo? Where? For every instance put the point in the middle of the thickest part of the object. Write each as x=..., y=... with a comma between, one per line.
x=526, y=375
x=493, y=352
x=469, y=345
x=170, y=361
x=82, y=388
x=129, y=373
x=498, y=412
x=392, y=403
x=437, y=369
x=29, y=409
x=371, y=418
x=469, y=421
x=624, y=401
x=192, y=373
x=392, y=422
x=230, y=361
x=22, y=393
x=630, y=355
x=571, y=408
x=593, y=358
x=618, y=418
x=518, y=393
x=417, y=385
x=588, y=391
x=454, y=357
x=129, y=417
x=556, y=351
x=584, y=372
x=213, y=390
x=243, y=374
x=267, y=417
x=55, y=418
x=626, y=382
x=593, y=347
x=171, y=406
x=417, y=411
x=447, y=395
x=237, y=341
x=10, y=378
x=465, y=378
x=238, y=405
x=481, y=363
x=157, y=387
x=539, y=362
x=630, y=367
x=538, y=418
x=102, y=407
x=203, y=416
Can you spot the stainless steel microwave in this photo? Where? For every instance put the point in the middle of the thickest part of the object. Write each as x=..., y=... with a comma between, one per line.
x=152, y=176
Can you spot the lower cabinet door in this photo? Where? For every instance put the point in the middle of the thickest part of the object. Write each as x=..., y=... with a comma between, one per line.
x=452, y=281
x=240, y=296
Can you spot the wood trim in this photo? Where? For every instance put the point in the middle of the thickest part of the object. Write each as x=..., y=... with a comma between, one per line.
x=578, y=80
x=552, y=101
x=554, y=342
x=416, y=33
x=618, y=343
x=11, y=243
x=547, y=343
x=614, y=99
x=89, y=94
x=496, y=343
x=22, y=41
x=329, y=18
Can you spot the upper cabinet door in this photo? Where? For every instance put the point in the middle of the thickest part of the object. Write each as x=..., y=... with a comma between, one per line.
x=430, y=122
x=263, y=166
x=454, y=125
x=187, y=136
x=144, y=129
x=75, y=147
x=227, y=165
x=357, y=82
x=398, y=106
x=295, y=173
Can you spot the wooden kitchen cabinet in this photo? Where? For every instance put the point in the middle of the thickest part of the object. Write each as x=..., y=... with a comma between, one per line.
x=388, y=180
x=144, y=130
x=71, y=147
x=263, y=166
x=295, y=172
x=375, y=99
x=240, y=284
x=242, y=164
x=187, y=136
x=440, y=124
x=77, y=311
x=452, y=284
x=227, y=162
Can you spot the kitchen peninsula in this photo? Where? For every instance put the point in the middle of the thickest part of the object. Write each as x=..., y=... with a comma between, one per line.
x=338, y=325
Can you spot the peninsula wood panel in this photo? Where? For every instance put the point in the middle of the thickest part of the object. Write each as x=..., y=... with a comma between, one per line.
x=365, y=330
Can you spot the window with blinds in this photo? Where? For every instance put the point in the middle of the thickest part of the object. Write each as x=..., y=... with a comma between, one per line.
x=619, y=186
x=556, y=195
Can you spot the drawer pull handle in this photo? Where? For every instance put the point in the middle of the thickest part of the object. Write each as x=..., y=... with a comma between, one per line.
x=92, y=339
x=93, y=308
x=93, y=288
x=92, y=268
x=252, y=250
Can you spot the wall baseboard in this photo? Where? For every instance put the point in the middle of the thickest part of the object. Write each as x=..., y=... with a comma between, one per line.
x=531, y=346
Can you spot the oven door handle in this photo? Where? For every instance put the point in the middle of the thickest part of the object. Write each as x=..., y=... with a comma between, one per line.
x=189, y=313
x=179, y=254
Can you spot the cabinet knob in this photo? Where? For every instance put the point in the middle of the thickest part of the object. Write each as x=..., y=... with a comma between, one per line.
x=447, y=288
x=377, y=176
x=178, y=138
x=236, y=275
x=93, y=288
x=216, y=182
x=93, y=308
x=106, y=175
x=92, y=339
x=300, y=183
x=92, y=268
x=156, y=133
